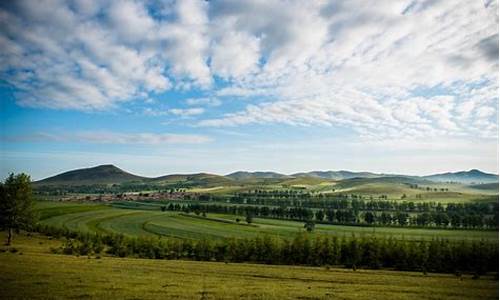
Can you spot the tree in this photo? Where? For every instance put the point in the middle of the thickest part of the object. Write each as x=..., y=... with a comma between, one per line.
x=249, y=218
x=309, y=226
x=320, y=215
x=369, y=217
x=16, y=204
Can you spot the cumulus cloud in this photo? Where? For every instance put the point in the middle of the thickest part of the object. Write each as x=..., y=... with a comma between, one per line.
x=91, y=55
x=387, y=69
x=383, y=69
x=187, y=112
x=207, y=101
x=107, y=137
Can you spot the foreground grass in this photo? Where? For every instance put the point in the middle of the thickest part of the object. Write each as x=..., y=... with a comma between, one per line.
x=38, y=274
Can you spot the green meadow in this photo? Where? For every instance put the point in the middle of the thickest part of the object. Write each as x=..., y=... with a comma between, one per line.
x=31, y=271
x=148, y=220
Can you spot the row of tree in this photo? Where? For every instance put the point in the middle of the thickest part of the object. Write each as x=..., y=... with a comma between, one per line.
x=445, y=219
x=368, y=205
x=365, y=252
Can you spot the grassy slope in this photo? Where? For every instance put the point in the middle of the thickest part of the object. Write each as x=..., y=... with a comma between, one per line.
x=135, y=222
x=103, y=174
x=394, y=188
x=37, y=274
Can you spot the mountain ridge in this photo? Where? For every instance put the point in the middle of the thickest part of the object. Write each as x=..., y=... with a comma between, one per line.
x=109, y=173
x=471, y=176
x=104, y=173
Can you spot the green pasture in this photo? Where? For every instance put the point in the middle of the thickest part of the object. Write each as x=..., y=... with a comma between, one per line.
x=32, y=272
x=153, y=222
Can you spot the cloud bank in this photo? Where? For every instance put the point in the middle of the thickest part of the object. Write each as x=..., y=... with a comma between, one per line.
x=391, y=68
x=109, y=137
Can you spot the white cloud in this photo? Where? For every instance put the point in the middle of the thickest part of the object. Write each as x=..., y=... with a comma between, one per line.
x=387, y=69
x=187, y=112
x=235, y=54
x=108, y=137
x=383, y=69
x=208, y=101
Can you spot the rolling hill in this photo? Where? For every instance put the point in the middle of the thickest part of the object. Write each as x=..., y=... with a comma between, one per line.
x=472, y=176
x=110, y=174
x=243, y=175
x=103, y=174
x=200, y=179
x=338, y=175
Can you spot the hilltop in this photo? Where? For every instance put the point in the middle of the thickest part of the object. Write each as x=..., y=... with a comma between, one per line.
x=472, y=176
x=103, y=174
x=199, y=179
x=338, y=175
x=110, y=174
x=243, y=175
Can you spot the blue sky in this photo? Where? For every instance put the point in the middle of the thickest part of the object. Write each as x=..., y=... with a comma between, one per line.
x=158, y=87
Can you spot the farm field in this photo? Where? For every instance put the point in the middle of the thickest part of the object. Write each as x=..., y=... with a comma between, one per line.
x=456, y=193
x=153, y=222
x=35, y=273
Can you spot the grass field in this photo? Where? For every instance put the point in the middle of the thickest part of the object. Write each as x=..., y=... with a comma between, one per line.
x=153, y=222
x=393, y=188
x=34, y=273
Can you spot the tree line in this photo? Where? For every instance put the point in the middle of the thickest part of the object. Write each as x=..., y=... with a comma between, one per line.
x=458, y=219
x=438, y=255
x=352, y=202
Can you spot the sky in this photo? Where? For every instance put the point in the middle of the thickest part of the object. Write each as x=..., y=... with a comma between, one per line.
x=161, y=87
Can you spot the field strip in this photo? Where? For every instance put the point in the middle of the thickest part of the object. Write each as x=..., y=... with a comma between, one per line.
x=221, y=220
x=50, y=212
x=130, y=224
x=96, y=223
x=177, y=233
x=79, y=221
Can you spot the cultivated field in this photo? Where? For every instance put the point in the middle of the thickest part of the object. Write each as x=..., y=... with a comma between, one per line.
x=34, y=273
x=148, y=220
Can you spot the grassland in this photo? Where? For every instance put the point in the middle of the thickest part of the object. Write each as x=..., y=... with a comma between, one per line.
x=35, y=273
x=143, y=219
x=393, y=188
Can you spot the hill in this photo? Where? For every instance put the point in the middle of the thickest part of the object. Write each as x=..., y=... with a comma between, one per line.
x=472, y=176
x=199, y=179
x=103, y=174
x=485, y=186
x=338, y=175
x=110, y=174
x=243, y=175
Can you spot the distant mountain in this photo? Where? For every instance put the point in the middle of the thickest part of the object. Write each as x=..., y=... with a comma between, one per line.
x=472, y=176
x=338, y=175
x=485, y=186
x=103, y=174
x=199, y=179
x=243, y=175
x=107, y=174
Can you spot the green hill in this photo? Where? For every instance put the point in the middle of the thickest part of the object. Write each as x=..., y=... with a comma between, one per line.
x=493, y=187
x=338, y=175
x=472, y=176
x=103, y=174
x=200, y=179
x=243, y=175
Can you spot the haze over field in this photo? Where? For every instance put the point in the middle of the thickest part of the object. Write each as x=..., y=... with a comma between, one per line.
x=156, y=87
